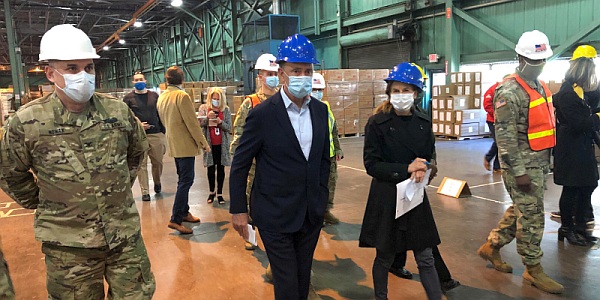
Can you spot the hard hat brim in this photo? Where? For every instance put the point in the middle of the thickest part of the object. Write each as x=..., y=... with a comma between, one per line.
x=66, y=56
x=536, y=56
x=299, y=60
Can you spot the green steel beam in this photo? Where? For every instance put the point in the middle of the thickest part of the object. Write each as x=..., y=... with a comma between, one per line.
x=234, y=39
x=317, y=17
x=452, y=59
x=568, y=43
x=338, y=25
x=490, y=31
x=15, y=56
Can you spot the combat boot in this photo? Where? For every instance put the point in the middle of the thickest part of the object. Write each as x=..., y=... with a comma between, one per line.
x=269, y=274
x=330, y=218
x=492, y=254
x=535, y=276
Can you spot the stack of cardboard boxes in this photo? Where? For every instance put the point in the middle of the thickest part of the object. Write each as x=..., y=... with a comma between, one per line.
x=457, y=107
x=352, y=94
x=199, y=89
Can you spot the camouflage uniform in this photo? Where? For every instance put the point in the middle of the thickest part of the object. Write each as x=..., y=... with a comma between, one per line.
x=525, y=218
x=333, y=175
x=6, y=287
x=238, y=129
x=86, y=217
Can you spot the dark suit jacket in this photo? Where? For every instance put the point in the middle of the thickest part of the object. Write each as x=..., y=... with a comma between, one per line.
x=286, y=187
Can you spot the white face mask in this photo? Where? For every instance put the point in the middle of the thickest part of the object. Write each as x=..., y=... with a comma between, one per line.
x=215, y=103
x=79, y=87
x=402, y=102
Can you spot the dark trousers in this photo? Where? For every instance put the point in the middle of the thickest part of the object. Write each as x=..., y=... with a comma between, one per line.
x=218, y=168
x=425, y=262
x=185, y=173
x=291, y=255
x=493, y=152
x=440, y=266
x=576, y=201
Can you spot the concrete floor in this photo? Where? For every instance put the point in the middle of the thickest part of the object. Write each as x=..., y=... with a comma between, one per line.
x=212, y=263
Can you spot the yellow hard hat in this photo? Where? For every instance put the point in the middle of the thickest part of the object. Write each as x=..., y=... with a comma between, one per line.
x=586, y=51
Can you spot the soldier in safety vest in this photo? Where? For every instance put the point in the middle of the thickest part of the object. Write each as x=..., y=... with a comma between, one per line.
x=335, y=150
x=525, y=133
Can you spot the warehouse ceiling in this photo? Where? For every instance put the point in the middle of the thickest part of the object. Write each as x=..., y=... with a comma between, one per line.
x=100, y=19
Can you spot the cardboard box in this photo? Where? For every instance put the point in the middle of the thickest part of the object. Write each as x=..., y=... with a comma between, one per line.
x=460, y=89
x=378, y=99
x=456, y=77
x=333, y=75
x=448, y=90
x=341, y=88
x=351, y=102
x=483, y=127
x=236, y=102
x=442, y=116
x=338, y=114
x=363, y=117
x=449, y=116
x=351, y=120
x=472, y=77
x=436, y=91
x=350, y=74
x=447, y=128
x=365, y=101
x=379, y=87
x=435, y=115
x=380, y=74
x=477, y=103
x=554, y=86
x=365, y=88
x=467, y=115
x=441, y=103
x=456, y=102
x=365, y=75
x=466, y=129
x=435, y=127
x=434, y=103
x=188, y=85
x=335, y=102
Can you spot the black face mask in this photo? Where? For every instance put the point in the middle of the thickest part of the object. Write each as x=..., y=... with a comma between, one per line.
x=530, y=71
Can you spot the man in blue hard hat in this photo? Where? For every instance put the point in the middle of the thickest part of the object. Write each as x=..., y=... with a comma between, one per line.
x=289, y=138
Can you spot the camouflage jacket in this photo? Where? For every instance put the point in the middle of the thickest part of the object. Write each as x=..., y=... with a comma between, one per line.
x=511, y=108
x=240, y=119
x=84, y=164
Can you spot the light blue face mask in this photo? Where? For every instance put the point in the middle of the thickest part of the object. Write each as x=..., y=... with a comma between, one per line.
x=299, y=86
x=317, y=94
x=272, y=81
x=215, y=103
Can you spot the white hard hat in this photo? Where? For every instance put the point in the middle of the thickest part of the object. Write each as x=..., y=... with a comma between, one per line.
x=266, y=62
x=318, y=81
x=534, y=45
x=65, y=42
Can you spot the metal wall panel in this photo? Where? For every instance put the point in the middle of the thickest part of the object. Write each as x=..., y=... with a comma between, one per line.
x=378, y=56
x=360, y=6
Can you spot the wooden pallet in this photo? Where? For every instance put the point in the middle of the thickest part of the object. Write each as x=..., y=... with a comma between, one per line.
x=350, y=135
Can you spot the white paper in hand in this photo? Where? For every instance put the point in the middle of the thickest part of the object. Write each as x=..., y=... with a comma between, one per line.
x=251, y=235
x=409, y=194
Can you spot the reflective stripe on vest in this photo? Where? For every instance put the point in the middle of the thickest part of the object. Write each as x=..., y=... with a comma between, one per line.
x=541, y=123
x=330, y=122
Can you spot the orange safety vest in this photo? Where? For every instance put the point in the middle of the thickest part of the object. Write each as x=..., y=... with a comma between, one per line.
x=541, y=131
x=255, y=100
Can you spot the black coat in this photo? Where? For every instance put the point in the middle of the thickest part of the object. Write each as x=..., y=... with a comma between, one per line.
x=387, y=153
x=574, y=159
x=287, y=188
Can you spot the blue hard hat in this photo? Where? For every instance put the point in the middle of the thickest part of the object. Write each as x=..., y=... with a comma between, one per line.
x=407, y=73
x=297, y=49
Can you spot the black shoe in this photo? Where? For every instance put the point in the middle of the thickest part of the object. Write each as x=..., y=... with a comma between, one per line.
x=573, y=237
x=157, y=188
x=450, y=284
x=402, y=273
x=220, y=200
x=146, y=197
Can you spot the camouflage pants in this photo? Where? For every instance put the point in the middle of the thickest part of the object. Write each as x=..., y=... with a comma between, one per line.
x=524, y=219
x=7, y=291
x=249, y=184
x=333, y=176
x=79, y=273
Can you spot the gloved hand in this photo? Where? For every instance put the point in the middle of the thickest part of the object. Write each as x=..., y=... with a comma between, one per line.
x=524, y=183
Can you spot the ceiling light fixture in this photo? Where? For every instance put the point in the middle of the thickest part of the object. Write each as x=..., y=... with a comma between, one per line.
x=122, y=41
x=176, y=3
x=105, y=48
x=137, y=24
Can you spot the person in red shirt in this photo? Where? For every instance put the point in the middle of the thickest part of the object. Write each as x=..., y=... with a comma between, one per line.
x=215, y=119
x=492, y=154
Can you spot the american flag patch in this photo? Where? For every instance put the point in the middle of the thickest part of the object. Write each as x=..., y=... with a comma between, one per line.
x=500, y=103
x=272, y=63
x=540, y=48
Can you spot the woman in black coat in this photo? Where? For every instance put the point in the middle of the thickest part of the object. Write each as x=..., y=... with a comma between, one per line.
x=398, y=145
x=575, y=166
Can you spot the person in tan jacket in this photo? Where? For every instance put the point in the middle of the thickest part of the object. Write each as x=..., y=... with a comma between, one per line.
x=184, y=141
